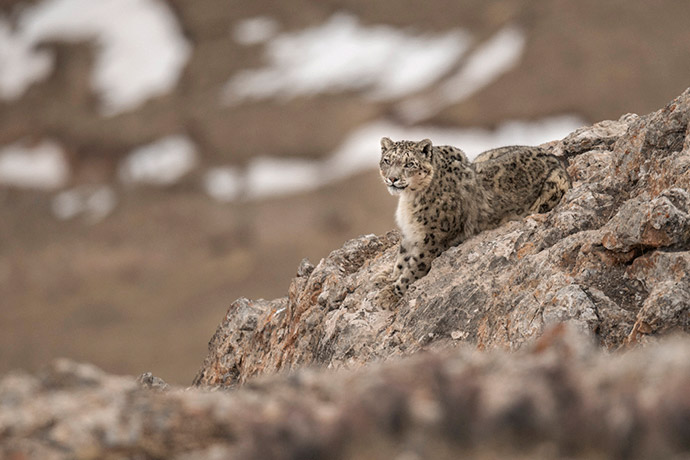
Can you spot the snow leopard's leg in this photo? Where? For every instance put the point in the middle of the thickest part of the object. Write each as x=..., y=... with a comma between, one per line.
x=413, y=262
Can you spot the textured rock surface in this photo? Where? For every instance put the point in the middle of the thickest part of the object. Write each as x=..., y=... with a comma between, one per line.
x=560, y=397
x=611, y=259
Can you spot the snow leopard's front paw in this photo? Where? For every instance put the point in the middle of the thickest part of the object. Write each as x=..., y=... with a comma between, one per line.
x=382, y=280
x=387, y=297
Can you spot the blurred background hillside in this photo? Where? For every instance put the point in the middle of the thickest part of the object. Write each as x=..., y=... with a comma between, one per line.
x=159, y=159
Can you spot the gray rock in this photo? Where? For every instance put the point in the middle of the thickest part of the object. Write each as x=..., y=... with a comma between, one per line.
x=558, y=397
x=591, y=262
x=602, y=135
x=150, y=381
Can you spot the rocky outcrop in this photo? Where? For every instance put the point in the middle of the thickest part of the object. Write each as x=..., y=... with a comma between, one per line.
x=560, y=397
x=612, y=259
x=534, y=330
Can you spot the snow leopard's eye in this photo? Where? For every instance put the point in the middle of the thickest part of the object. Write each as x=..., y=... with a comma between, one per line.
x=385, y=161
x=409, y=165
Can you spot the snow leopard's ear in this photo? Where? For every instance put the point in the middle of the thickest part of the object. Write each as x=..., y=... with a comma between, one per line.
x=386, y=143
x=425, y=147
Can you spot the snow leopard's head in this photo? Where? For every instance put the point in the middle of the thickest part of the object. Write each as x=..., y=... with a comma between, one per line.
x=406, y=166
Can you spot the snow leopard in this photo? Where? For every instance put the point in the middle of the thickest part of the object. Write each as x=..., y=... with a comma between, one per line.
x=444, y=199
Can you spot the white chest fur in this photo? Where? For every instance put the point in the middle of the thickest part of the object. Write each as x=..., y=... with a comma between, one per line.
x=409, y=227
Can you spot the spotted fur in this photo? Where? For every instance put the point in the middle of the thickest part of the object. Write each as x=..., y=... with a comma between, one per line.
x=444, y=199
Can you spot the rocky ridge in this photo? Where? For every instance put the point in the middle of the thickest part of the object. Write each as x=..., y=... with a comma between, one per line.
x=548, y=337
x=612, y=259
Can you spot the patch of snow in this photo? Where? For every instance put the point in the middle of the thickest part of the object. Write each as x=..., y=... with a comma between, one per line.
x=95, y=203
x=21, y=64
x=42, y=166
x=360, y=151
x=254, y=31
x=223, y=183
x=474, y=141
x=67, y=204
x=342, y=55
x=489, y=61
x=418, y=63
x=140, y=48
x=163, y=162
x=492, y=59
x=267, y=177
x=276, y=176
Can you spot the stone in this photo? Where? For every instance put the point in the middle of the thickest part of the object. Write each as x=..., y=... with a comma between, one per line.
x=557, y=397
x=601, y=135
x=596, y=261
x=150, y=381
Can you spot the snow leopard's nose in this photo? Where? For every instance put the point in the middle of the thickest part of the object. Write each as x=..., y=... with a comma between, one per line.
x=392, y=180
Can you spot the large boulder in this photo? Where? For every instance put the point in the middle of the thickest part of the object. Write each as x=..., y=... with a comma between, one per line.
x=612, y=259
